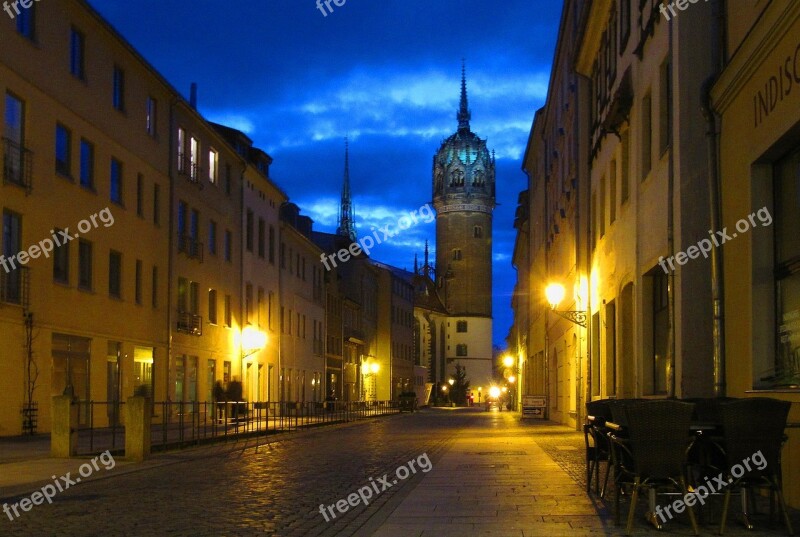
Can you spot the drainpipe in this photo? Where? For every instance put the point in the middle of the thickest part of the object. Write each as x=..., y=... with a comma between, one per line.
x=712, y=144
x=671, y=392
x=171, y=252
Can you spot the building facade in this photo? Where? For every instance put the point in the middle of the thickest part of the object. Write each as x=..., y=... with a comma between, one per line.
x=755, y=121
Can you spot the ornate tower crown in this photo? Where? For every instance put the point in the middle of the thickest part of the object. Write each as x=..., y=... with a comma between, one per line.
x=463, y=167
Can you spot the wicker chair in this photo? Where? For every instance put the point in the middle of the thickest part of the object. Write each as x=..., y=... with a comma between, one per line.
x=654, y=453
x=753, y=426
x=597, y=444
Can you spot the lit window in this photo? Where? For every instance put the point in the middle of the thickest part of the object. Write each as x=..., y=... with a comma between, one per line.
x=213, y=166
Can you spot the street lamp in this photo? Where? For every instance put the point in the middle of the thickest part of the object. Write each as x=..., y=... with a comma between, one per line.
x=508, y=361
x=555, y=294
x=369, y=371
x=252, y=341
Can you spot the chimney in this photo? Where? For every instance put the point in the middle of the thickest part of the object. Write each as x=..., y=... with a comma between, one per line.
x=193, y=96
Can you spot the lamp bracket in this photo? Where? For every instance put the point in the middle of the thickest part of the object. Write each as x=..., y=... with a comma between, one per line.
x=577, y=317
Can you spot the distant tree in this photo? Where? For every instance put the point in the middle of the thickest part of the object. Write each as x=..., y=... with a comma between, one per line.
x=460, y=386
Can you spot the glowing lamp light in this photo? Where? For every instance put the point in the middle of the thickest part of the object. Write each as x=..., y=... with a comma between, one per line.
x=512, y=379
x=494, y=391
x=508, y=361
x=374, y=367
x=444, y=388
x=253, y=340
x=505, y=389
x=451, y=382
x=555, y=294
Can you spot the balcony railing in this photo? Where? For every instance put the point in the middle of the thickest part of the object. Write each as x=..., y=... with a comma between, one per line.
x=191, y=247
x=189, y=323
x=190, y=169
x=17, y=164
x=15, y=286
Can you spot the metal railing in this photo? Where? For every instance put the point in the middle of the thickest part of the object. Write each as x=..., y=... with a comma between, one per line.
x=17, y=164
x=15, y=286
x=191, y=247
x=180, y=424
x=190, y=323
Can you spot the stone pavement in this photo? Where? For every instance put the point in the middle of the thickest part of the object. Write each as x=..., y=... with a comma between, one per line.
x=491, y=475
x=519, y=479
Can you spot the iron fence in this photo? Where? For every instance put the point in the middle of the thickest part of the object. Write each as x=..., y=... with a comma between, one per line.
x=182, y=424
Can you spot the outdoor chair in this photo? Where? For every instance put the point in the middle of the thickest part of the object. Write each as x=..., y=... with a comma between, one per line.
x=597, y=444
x=753, y=426
x=653, y=455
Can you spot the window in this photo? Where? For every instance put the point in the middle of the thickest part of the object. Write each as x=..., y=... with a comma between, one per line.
x=248, y=303
x=659, y=364
x=457, y=254
x=212, y=237
x=156, y=204
x=624, y=24
x=63, y=151
x=26, y=20
x=785, y=366
x=213, y=166
x=260, y=307
x=602, y=207
x=151, y=117
x=87, y=164
x=228, y=179
x=140, y=195
x=228, y=245
x=119, y=88
x=154, y=297
x=270, y=304
x=212, y=306
x=116, y=181
x=625, y=149
x=461, y=326
x=261, y=228
x=477, y=232
x=647, y=136
x=85, y=264
x=283, y=255
x=228, y=319
x=138, y=281
x=115, y=274
x=183, y=208
x=612, y=194
x=665, y=107
x=181, y=151
x=61, y=262
x=461, y=350
x=12, y=243
x=77, y=51
x=272, y=245
x=249, y=231
x=595, y=228
x=183, y=291
x=194, y=158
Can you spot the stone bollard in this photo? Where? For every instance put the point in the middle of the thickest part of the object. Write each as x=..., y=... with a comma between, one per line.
x=137, y=428
x=64, y=431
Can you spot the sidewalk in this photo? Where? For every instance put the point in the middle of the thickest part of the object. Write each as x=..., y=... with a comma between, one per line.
x=520, y=479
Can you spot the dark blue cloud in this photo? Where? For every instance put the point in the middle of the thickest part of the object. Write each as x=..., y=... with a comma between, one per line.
x=385, y=73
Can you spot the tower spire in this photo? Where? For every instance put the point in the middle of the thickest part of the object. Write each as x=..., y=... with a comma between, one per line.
x=464, y=115
x=347, y=224
x=426, y=268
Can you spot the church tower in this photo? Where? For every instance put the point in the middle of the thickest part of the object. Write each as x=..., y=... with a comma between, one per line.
x=464, y=199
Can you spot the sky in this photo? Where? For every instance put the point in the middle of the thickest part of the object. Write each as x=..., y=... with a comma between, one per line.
x=384, y=73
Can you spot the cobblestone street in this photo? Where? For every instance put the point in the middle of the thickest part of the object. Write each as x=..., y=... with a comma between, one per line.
x=492, y=475
x=227, y=491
